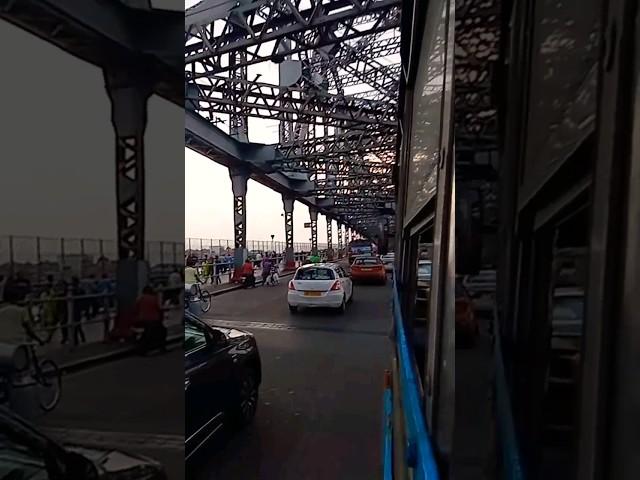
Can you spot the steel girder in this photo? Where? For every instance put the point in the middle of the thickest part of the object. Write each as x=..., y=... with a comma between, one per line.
x=338, y=44
x=299, y=104
x=104, y=34
x=265, y=24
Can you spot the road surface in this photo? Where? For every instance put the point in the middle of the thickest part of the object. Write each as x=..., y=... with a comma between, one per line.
x=320, y=410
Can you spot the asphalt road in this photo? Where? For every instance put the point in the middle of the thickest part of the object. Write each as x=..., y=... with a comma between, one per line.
x=320, y=411
x=135, y=404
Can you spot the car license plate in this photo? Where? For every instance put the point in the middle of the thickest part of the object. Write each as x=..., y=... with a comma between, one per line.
x=312, y=294
x=367, y=269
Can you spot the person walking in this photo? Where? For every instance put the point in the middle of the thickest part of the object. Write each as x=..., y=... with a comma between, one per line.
x=49, y=317
x=62, y=309
x=266, y=269
x=105, y=288
x=80, y=311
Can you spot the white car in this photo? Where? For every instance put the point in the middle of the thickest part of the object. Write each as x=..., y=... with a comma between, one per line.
x=320, y=285
x=388, y=261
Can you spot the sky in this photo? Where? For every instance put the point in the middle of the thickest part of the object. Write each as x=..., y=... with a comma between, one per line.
x=58, y=148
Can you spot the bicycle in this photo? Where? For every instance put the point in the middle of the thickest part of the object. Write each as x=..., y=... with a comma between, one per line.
x=202, y=295
x=47, y=376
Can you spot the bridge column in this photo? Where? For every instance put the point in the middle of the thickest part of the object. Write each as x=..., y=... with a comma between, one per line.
x=339, y=240
x=129, y=95
x=329, y=240
x=289, y=257
x=239, y=180
x=313, y=214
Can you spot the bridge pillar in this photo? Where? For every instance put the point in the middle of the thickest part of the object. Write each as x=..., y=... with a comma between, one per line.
x=329, y=239
x=313, y=214
x=239, y=180
x=339, y=240
x=129, y=95
x=289, y=257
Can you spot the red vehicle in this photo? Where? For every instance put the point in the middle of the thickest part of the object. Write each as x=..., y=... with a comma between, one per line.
x=368, y=268
x=467, y=327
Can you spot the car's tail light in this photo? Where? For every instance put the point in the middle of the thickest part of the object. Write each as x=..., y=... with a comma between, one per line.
x=336, y=285
x=291, y=285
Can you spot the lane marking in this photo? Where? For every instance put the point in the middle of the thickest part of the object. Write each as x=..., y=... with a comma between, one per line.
x=290, y=327
x=118, y=440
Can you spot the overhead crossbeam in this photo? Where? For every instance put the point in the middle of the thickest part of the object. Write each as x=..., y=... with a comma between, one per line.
x=303, y=105
x=266, y=23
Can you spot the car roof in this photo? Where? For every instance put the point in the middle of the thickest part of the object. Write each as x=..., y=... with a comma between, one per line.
x=568, y=292
x=314, y=265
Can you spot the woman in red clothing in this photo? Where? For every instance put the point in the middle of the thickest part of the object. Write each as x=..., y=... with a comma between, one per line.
x=247, y=274
x=149, y=315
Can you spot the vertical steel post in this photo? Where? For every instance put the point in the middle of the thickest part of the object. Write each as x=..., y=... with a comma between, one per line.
x=129, y=92
x=288, y=203
x=313, y=214
x=239, y=180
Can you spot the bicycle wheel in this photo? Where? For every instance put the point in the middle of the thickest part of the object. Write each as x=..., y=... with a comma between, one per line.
x=49, y=381
x=205, y=301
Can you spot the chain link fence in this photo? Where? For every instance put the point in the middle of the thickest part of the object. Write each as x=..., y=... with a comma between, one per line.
x=212, y=246
x=37, y=257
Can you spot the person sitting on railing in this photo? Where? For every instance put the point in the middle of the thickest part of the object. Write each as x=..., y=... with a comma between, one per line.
x=149, y=315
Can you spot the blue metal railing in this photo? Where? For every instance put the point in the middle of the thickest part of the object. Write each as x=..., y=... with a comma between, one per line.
x=512, y=468
x=419, y=449
x=387, y=428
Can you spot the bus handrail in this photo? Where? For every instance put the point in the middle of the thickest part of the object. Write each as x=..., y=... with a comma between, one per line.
x=418, y=440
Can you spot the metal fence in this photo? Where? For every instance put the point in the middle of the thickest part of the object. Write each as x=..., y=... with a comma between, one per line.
x=213, y=246
x=37, y=257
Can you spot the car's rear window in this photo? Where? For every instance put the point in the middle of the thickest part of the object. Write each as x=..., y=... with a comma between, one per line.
x=367, y=261
x=315, y=274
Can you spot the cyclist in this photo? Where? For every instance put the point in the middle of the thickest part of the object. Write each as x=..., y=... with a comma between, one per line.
x=15, y=321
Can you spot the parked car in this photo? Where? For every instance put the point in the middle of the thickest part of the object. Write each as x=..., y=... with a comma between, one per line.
x=320, y=285
x=368, y=269
x=467, y=327
x=28, y=453
x=388, y=261
x=482, y=288
x=424, y=273
x=222, y=379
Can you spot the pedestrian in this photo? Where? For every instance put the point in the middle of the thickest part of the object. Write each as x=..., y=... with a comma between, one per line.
x=208, y=270
x=266, y=269
x=62, y=309
x=80, y=309
x=49, y=317
x=175, y=287
x=106, y=290
x=216, y=270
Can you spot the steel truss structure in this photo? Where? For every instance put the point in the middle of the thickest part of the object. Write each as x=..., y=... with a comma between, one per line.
x=337, y=112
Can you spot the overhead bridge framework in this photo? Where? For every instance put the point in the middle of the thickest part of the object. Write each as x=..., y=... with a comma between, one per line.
x=335, y=101
x=136, y=63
